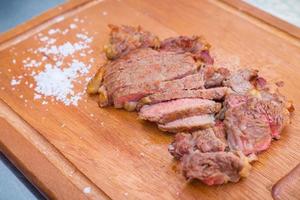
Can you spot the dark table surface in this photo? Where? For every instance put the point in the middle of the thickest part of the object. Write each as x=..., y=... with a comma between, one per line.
x=14, y=12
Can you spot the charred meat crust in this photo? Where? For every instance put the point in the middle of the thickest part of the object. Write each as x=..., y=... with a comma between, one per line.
x=124, y=39
x=196, y=45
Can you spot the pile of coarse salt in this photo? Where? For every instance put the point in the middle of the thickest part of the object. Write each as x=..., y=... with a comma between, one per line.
x=55, y=81
x=55, y=74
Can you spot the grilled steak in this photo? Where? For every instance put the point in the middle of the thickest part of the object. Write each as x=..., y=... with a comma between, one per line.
x=195, y=45
x=154, y=67
x=152, y=71
x=212, y=93
x=188, y=123
x=202, y=140
x=214, y=76
x=183, y=143
x=134, y=93
x=240, y=81
x=212, y=168
x=252, y=122
x=220, y=132
x=222, y=118
x=171, y=110
x=248, y=129
x=123, y=39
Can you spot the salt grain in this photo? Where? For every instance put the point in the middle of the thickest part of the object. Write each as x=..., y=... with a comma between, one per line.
x=51, y=41
x=14, y=61
x=73, y=26
x=43, y=39
x=59, y=19
x=65, y=31
x=53, y=31
x=81, y=36
x=9, y=70
x=59, y=63
x=87, y=190
x=104, y=13
x=66, y=49
x=37, y=96
x=15, y=82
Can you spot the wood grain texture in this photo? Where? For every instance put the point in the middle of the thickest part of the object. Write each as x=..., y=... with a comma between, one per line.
x=40, y=162
x=127, y=158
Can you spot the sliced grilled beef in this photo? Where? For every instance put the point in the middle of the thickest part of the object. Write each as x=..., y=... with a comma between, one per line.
x=212, y=93
x=214, y=76
x=220, y=132
x=203, y=140
x=251, y=122
x=174, y=84
x=152, y=70
x=156, y=66
x=248, y=129
x=123, y=39
x=134, y=93
x=240, y=81
x=188, y=123
x=171, y=110
x=183, y=143
x=195, y=45
x=212, y=168
x=209, y=76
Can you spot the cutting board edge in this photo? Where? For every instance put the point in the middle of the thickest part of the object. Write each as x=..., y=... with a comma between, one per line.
x=14, y=32
x=265, y=17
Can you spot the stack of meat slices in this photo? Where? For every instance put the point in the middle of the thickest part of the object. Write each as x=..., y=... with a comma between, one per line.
x=222, y=118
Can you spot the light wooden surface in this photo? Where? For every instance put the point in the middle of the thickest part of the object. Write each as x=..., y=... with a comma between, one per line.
x=126, y=158
x=266, y=17
x=40, y=161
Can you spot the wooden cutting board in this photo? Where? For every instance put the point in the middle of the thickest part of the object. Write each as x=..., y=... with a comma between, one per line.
x=84, y=152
